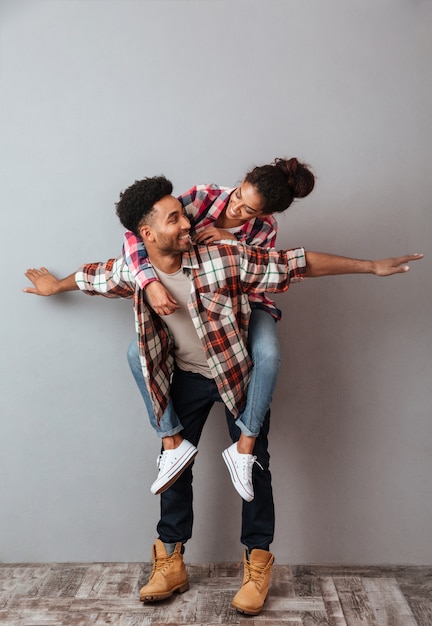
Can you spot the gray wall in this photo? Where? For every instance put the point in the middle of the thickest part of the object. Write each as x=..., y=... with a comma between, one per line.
x=98, y=93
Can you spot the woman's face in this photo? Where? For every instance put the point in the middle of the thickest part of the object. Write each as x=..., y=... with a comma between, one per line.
x=245, y=203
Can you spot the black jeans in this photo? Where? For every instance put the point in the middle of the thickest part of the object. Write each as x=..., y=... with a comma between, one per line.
x=193, y=396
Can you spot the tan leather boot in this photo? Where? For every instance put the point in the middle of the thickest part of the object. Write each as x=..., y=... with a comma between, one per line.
x=253, y=592
x=168, y=574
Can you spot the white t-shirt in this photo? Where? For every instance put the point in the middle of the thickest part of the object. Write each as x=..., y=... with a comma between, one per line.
x=188, y=351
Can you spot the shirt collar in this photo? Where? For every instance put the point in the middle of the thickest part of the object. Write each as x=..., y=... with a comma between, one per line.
x=190, y=259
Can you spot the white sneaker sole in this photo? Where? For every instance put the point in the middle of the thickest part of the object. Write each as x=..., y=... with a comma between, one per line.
x=164, y=482
x=238, y=485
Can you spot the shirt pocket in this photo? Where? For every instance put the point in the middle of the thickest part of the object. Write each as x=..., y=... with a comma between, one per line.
x=218, y=304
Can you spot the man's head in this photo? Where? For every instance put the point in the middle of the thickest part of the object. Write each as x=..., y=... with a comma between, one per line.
x=148, y=209
x=137, y=201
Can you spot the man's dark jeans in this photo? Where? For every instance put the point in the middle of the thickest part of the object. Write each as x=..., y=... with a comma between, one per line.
x=193, y=396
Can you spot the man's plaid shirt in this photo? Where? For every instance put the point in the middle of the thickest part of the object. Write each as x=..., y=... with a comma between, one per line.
x=203, y=205
x=222, y=277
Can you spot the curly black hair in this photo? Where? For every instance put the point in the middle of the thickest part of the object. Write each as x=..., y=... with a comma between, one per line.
x=280, y=182
x=137, y=201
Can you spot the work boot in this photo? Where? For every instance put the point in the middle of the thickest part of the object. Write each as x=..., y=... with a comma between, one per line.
x=251, y=596
x=168, y=574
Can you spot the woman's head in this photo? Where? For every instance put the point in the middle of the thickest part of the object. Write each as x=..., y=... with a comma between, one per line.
x=280, y=183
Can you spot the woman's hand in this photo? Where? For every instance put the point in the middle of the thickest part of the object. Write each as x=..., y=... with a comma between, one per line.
x=395, y=265
x=160, y=299
x=212, y=234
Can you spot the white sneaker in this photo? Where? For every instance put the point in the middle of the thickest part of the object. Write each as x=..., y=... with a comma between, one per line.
x=240, y=467
x=171, y=464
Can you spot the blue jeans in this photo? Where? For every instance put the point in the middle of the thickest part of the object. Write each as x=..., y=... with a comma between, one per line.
x=264, y=349
x=193, y=396
x=169, y=423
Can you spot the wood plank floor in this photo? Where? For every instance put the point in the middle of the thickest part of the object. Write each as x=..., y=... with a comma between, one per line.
x=97, y=594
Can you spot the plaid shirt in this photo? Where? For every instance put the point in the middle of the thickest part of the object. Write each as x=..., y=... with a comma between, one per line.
x=222, y=278
x=203, y=205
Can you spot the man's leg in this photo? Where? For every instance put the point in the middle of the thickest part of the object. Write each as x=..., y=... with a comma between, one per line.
x=193, y=396
x=258, y=521
x=258, y=516
x=177, y=452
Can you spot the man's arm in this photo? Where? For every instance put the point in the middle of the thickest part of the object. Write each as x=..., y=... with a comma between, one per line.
x=111, y=280
x=46, y=284
x=321, y=264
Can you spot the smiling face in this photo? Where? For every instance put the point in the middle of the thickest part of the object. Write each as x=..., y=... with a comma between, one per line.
x=245, y=204
x=167, y=228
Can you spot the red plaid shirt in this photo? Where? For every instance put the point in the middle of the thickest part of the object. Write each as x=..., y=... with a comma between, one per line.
x=222, y=278
x=203, y=205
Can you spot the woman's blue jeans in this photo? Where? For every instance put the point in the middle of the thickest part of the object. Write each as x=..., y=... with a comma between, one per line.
x=264, y=349
x=193, y=396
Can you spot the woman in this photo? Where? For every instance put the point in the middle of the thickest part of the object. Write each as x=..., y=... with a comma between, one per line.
x=243, y=214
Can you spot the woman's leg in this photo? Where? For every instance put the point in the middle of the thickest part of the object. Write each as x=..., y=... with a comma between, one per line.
x=241, y=457
x=169, y=424
x=265, y=352
x=178, y=453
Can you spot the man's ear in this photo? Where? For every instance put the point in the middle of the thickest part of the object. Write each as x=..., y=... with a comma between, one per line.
x=146, y=233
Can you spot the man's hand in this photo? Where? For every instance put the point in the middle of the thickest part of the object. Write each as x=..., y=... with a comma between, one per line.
x=212, y=234
x=46, y=284
x=397, y=265
x=160, y=299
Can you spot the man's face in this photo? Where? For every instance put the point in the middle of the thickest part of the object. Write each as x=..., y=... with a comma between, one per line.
x=168, y=227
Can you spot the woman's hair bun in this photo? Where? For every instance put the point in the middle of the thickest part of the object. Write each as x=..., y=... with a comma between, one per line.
x=299, y=177
x=280, y=182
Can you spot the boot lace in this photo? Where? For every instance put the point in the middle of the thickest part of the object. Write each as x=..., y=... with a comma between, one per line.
x=255, y=573
x=161, y=564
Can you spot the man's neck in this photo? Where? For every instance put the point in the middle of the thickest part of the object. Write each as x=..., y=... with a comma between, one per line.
x=167, y=263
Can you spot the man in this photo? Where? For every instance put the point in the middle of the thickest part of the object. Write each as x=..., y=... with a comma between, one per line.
x=199, y=356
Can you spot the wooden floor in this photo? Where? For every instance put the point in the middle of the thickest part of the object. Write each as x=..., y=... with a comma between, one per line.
x=96, y=594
